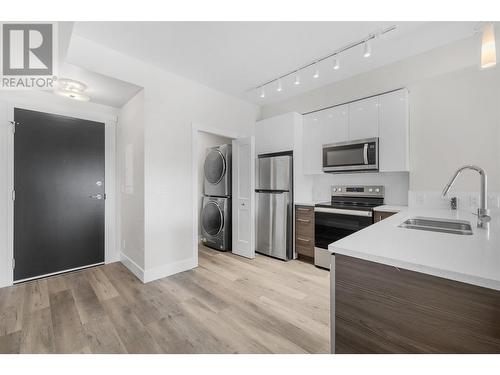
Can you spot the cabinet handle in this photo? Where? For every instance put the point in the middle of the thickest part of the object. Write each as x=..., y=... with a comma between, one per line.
x=304, y=220
x=303, y=209
x=303, y=239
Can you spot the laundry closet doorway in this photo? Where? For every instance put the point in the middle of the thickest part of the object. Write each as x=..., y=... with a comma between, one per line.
x=223, y=191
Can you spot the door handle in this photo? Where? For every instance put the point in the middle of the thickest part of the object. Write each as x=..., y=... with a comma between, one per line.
x=304, y=221
x=97, y=196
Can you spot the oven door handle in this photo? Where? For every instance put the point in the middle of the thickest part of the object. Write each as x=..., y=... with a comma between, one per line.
x=365, y=153
x=343, y=212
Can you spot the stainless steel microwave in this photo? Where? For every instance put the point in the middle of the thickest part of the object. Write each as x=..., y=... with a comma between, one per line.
x=352, y=156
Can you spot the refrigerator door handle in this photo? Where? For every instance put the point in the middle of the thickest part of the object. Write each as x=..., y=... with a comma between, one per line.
x=272, y=234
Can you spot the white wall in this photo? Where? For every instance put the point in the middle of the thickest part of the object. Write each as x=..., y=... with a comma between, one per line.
x=454, y=112
x=205, y=141
x=172, y=104
x=48, y=102
x=130, y=167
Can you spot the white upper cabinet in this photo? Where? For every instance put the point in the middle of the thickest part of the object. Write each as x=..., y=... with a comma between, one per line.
x=363, y=118
x=336, y=128
x=322, y=127
x=312, y=143
x=275, y=134
x=393, y=131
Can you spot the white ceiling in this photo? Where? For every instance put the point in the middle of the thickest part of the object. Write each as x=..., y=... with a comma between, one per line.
x=101, y=89
x=235, y=56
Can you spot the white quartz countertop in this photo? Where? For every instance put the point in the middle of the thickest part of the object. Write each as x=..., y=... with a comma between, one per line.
x=472, y=259
x=390, y=208
x=304, y=203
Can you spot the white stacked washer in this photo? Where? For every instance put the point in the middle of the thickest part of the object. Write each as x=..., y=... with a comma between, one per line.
x=216, y=208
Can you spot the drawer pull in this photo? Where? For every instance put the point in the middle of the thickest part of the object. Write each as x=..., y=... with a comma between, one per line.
x=304, y=209
x=303, y=239
x=304, y=220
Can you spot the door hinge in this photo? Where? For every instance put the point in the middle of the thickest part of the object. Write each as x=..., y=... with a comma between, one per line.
x=13, y=123
x=13, y=195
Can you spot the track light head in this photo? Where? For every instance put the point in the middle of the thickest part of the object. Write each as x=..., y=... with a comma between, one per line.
x=336, y=64
x=297, y=80
x=368, y=49
x=316, y=73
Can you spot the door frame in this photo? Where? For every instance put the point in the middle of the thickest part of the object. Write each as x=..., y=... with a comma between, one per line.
x=195, y=129
x=111, y=253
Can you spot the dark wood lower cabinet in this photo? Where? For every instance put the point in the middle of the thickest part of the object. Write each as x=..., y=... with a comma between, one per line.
x=382, y=309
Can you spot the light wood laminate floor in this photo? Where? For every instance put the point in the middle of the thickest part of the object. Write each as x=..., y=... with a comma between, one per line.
x=228, y=304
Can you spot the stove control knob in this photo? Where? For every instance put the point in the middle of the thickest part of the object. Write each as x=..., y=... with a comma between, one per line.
x=334, y=190
x=370, y=190
x=377, y=190
x=339, y=189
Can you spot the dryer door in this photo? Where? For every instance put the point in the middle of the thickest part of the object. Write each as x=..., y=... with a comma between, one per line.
x=212, y=219
x=215, y=166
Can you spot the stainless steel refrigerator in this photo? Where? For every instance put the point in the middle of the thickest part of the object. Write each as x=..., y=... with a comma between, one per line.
x=274, y=192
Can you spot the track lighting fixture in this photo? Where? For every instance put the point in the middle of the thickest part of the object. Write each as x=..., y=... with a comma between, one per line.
x=336, y=59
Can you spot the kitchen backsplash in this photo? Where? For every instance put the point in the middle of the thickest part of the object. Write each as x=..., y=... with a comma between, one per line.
x=396, y=185
x=465, y=200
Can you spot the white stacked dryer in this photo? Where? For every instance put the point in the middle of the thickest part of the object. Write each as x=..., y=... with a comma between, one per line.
x=216, y=207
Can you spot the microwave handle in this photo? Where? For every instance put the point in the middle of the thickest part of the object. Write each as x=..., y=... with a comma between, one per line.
x=365, y=153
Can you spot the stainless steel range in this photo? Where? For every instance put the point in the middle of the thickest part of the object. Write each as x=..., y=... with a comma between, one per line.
x=349, y=210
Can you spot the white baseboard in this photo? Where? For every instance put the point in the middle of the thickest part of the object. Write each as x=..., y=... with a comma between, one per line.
x=169, y=269
x=156, y=273
x=132, y=266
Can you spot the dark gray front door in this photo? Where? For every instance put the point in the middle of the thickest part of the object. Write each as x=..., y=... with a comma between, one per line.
x=59, y=193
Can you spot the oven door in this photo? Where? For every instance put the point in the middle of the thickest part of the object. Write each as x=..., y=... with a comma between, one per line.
x=332, y=224
x=360, y=155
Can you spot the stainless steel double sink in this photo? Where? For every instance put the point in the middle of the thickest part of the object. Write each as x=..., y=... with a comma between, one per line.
x=461, y=227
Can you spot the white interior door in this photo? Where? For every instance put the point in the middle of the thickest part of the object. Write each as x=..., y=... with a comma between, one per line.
x=244, y=197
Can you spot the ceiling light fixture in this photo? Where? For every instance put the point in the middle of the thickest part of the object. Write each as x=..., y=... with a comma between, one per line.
x=488, y=47
x=336, y=64
x=72, y=89
x=365, y=41
x=262, y=93
x=297, y=80
x=368, y=49
x=279, y=88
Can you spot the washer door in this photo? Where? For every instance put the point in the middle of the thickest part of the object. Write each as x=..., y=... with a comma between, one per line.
x=215, y=166
x=212, y=219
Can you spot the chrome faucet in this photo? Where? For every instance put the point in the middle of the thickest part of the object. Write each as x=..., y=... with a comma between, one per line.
x=482, y=212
